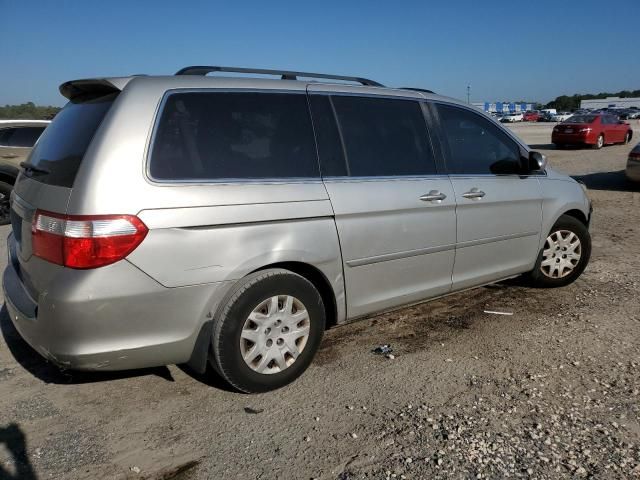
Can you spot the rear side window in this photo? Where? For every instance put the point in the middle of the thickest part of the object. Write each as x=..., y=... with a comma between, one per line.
x=476, y=145
x=20, y=136
x=383, y=137
x=222, y=135
x=63, y=144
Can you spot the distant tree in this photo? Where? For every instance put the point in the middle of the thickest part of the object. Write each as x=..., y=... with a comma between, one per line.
x=564, y=102
x=28, y=111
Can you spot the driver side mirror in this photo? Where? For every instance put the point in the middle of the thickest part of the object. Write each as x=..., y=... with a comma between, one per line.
x=537, y=161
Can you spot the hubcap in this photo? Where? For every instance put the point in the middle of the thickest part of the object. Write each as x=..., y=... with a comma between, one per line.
x=275, y=334
x=600, y=141
x=561, y=254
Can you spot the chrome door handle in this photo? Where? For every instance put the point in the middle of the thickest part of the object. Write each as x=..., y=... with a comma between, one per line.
x=9, y=156
x=474, y=193
x=433, y=196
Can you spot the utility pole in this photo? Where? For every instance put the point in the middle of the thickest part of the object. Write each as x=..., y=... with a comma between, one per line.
x=468, y=93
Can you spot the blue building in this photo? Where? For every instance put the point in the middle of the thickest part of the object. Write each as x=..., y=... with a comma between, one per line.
x=504, y=107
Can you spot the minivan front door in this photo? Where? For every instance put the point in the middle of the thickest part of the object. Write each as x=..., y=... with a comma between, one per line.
x=394, y=213
x=499, y=210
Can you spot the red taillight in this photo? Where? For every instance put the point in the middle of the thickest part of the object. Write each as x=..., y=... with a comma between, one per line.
x=85, y=241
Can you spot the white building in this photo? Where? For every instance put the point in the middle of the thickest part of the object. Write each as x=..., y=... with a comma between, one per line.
x=616, y=102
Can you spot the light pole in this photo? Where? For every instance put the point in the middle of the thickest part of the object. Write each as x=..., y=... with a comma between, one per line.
x=468, y=93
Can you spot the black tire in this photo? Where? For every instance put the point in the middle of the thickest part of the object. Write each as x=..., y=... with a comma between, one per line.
x=539, y=279
x=226, y=354
x=627, y=137
x=599, y=142
x=5, y=191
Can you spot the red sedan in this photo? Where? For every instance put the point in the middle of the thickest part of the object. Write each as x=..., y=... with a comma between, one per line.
x=591, y=129
x=531, y=117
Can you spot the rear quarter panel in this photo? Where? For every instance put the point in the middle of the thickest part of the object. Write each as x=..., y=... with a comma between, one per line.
x=201, y=233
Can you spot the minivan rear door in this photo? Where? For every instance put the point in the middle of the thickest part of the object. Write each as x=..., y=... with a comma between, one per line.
x=394, y=213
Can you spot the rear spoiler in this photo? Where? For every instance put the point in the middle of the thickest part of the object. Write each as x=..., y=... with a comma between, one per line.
x=99, y=86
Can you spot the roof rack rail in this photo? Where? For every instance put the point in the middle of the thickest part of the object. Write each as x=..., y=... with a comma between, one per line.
x=415, y=89
x=284, y=74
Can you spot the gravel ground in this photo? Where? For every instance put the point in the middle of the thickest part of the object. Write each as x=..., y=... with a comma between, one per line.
x=551, y=391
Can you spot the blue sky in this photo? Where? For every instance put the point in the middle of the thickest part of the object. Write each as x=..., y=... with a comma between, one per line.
x=506, y=50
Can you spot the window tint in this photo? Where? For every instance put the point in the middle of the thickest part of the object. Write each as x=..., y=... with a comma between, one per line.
x=383, y=137
x=5, y=133
x=206, y=135
x=65, y=141
x=476, y=146
x=24, y=136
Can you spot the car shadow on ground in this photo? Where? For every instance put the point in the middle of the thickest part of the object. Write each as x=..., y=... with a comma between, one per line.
x=542, y=146
x=611, y=181
x=15, y=442
x=40, y=368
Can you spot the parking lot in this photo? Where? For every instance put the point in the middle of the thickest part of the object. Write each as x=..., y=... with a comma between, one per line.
x=549, y=389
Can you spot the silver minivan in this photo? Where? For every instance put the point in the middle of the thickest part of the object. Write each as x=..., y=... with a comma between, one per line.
x=227, y=222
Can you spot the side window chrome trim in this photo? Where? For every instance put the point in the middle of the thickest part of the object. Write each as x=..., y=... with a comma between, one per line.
x=384, y=178
x=217, y=181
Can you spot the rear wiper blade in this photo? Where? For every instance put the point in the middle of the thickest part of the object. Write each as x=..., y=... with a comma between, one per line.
x=29, y=167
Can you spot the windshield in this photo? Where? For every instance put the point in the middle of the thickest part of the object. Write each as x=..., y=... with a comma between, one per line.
x=56, y=157
x=580, y=119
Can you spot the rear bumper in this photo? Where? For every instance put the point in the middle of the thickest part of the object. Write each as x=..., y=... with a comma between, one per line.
x=572, y=139
x=633, y=170
x=109, y=318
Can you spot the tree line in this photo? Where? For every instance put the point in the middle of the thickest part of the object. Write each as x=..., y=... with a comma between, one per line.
x=28, y=111
x=566, y=102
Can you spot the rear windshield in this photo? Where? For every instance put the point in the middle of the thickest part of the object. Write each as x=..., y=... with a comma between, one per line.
x=580, y=119
x=57, y=156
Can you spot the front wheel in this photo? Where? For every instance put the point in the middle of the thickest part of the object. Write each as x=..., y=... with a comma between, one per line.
x=564, y=256
x=267, y=331
x=627, y=138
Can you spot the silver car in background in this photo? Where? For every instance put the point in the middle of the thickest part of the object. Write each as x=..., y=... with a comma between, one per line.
x=17, y=137
x=633, y=164
x=227, y=222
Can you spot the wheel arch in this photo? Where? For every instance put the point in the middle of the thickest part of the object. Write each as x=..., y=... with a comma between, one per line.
x=578, y=215
x=200, y=353
x=319, y=281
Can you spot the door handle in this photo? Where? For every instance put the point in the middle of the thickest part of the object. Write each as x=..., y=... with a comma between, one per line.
x=433, y=196
x=474, y=193
x=9, y=156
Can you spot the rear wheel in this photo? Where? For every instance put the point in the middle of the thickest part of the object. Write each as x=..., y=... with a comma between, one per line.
x=627, y=138
x=599, y=142
x=564, y=256
x=268, y=330
x=5, y=192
